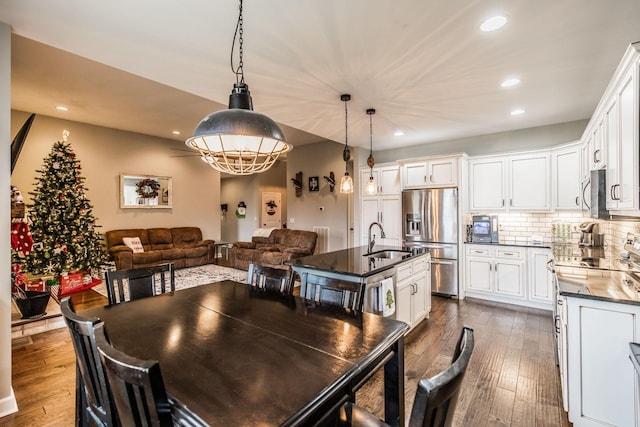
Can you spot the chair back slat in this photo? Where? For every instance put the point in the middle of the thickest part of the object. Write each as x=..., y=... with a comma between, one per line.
x=326, y=290
x=136, y=283
x=436, y=397
x=137, y=386
x=93, y=398
x=269, y=279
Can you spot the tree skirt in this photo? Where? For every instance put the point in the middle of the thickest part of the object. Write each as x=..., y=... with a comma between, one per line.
x=196, y=276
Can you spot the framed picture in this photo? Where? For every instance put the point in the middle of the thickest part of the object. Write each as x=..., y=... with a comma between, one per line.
x=145, y=191
x=314, y=183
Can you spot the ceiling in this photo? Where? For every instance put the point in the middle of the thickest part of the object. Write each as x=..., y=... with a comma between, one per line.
x=158, y=66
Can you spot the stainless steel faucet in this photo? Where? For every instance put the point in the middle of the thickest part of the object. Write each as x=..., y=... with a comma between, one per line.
x=372, y=240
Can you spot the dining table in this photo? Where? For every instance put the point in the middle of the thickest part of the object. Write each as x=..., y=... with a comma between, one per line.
x=231, y=354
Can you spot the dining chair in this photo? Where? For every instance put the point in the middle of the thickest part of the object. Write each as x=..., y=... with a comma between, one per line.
x=326, y=290
x=136, y=283
x=94, y=405
x=137, y=386
x=436, y=397
x=269, y=279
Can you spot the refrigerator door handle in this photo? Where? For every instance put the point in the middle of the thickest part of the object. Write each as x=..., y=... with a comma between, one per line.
x=428, y=216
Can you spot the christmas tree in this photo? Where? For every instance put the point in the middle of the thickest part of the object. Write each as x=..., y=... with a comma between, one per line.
x=63, y=226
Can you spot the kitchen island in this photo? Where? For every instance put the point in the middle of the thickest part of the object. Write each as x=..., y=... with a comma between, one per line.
x=408, y=269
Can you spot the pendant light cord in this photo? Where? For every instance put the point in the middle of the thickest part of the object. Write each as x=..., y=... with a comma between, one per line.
x=238, y=71
x=346, y=126
x=370, y=137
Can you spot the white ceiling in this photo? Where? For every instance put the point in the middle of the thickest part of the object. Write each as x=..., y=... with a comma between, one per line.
x=423, y=65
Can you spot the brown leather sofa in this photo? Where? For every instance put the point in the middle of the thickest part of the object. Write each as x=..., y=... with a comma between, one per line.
x=183, y=246
x=282, y=244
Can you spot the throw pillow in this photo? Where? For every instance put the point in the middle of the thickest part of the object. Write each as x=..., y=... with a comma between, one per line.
x=134, y=243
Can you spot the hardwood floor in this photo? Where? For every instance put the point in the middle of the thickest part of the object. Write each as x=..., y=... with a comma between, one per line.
x=512, y=379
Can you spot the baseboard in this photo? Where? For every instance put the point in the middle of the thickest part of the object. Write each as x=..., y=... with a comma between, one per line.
x=8, y=405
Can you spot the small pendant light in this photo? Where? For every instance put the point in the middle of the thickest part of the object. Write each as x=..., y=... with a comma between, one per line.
x=371, y=188
x=346, y=183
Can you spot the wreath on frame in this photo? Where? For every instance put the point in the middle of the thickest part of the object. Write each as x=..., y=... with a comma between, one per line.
x=147, y=188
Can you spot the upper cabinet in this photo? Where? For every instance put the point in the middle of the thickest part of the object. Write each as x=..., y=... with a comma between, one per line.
x=387, y=178
x=519, y=182
x=566, y=178
x=432, y=172
x=611, y=138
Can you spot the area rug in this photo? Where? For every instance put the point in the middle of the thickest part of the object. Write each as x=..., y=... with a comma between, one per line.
x=196, y=276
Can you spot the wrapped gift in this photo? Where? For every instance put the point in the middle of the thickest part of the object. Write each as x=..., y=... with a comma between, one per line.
x=71, y=282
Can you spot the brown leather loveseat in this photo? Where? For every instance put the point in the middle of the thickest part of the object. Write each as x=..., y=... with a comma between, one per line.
x=183, y=246
x=281, y=245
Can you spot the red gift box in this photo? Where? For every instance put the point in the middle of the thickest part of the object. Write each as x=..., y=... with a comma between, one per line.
x=70, y=282
x=37, y=285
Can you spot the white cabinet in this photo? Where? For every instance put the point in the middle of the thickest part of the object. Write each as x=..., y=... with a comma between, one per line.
x=530, y=182
x=413, y=290
x=495, y=271
x=487, y=184
x=566, y=178
x=387, y=179
x=602, y=389
x=540, y=279
x=518, y=183
x=434, y=172
x=386, y=210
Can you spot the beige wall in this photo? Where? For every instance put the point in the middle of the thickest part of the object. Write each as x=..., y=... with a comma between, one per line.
x=318, y=160
x=249, y=189
x=106, y=153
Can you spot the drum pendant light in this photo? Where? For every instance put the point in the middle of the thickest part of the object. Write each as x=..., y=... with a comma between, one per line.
x=346, y=183
x=371, y=189
x=239, y=141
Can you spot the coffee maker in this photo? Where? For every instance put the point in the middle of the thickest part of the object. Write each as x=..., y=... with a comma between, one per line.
x=590, y=234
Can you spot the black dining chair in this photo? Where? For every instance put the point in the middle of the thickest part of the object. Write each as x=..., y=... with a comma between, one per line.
x=269, y=279
x=136, y=283
x=137, y=386
x=326, y=290
x=436, y=397
x=94, y=405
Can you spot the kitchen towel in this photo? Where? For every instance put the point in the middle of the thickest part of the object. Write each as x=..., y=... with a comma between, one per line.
x=387, y=299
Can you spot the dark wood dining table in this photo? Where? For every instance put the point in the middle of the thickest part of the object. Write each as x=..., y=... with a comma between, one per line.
x=234, y=356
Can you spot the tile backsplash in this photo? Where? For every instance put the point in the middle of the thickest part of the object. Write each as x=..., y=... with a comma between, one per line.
x=518, y=227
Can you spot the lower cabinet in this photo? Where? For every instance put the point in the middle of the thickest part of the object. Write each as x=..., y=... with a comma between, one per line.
x=509, y=274
x=413, y=290
x=601, y=377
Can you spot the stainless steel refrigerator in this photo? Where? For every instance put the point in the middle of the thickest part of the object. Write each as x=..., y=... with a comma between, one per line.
x=430, y=222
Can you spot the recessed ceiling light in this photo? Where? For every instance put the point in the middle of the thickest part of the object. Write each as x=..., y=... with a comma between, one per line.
x=398, y=133
x=493, y=23
x=517, y=112
x=510, y=82
x=61, y=108
x=176, y=132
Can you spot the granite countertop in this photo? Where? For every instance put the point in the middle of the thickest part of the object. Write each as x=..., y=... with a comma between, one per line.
x=518, y=243
x=620, y=287
x=353, y=262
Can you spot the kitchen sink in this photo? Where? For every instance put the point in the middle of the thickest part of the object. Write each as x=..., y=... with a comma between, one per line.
x=389, y=254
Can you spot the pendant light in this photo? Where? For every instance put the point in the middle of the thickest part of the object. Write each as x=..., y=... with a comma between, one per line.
x=346, y=183
x=371, y=188
x=239, y=141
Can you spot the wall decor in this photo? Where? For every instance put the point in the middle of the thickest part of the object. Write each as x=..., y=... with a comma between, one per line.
x=314, y=183
x=241, y=211
x=297, y=182
x=145, y=191
x=331, y=179
x=271, y=215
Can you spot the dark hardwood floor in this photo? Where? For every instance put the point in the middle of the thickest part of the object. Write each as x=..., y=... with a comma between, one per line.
x=512, y=378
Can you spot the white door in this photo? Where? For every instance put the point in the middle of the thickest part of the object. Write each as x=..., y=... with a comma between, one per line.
x=271, y=210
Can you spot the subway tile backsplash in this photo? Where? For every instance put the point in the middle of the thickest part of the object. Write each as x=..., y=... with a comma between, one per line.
x=519, y=227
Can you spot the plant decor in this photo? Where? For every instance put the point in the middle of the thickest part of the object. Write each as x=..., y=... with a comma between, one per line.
x=147, y=188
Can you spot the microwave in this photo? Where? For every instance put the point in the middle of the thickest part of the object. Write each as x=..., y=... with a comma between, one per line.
x=484, y=229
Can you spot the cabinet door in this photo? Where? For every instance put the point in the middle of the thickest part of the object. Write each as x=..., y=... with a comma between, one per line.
x=370, y=212
x=530, y=183
x=509, y=278
x=585, y=159
x=419, y=295
x=479, y=274
x=627, y=191
x=598, y=153
x=487, y=185
x=567, y=179
x=404, y=294
x=442, y=172
x=415, y=175
x=390, y=216
x=540, y=279
x=613, y=151
x=389, y=180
